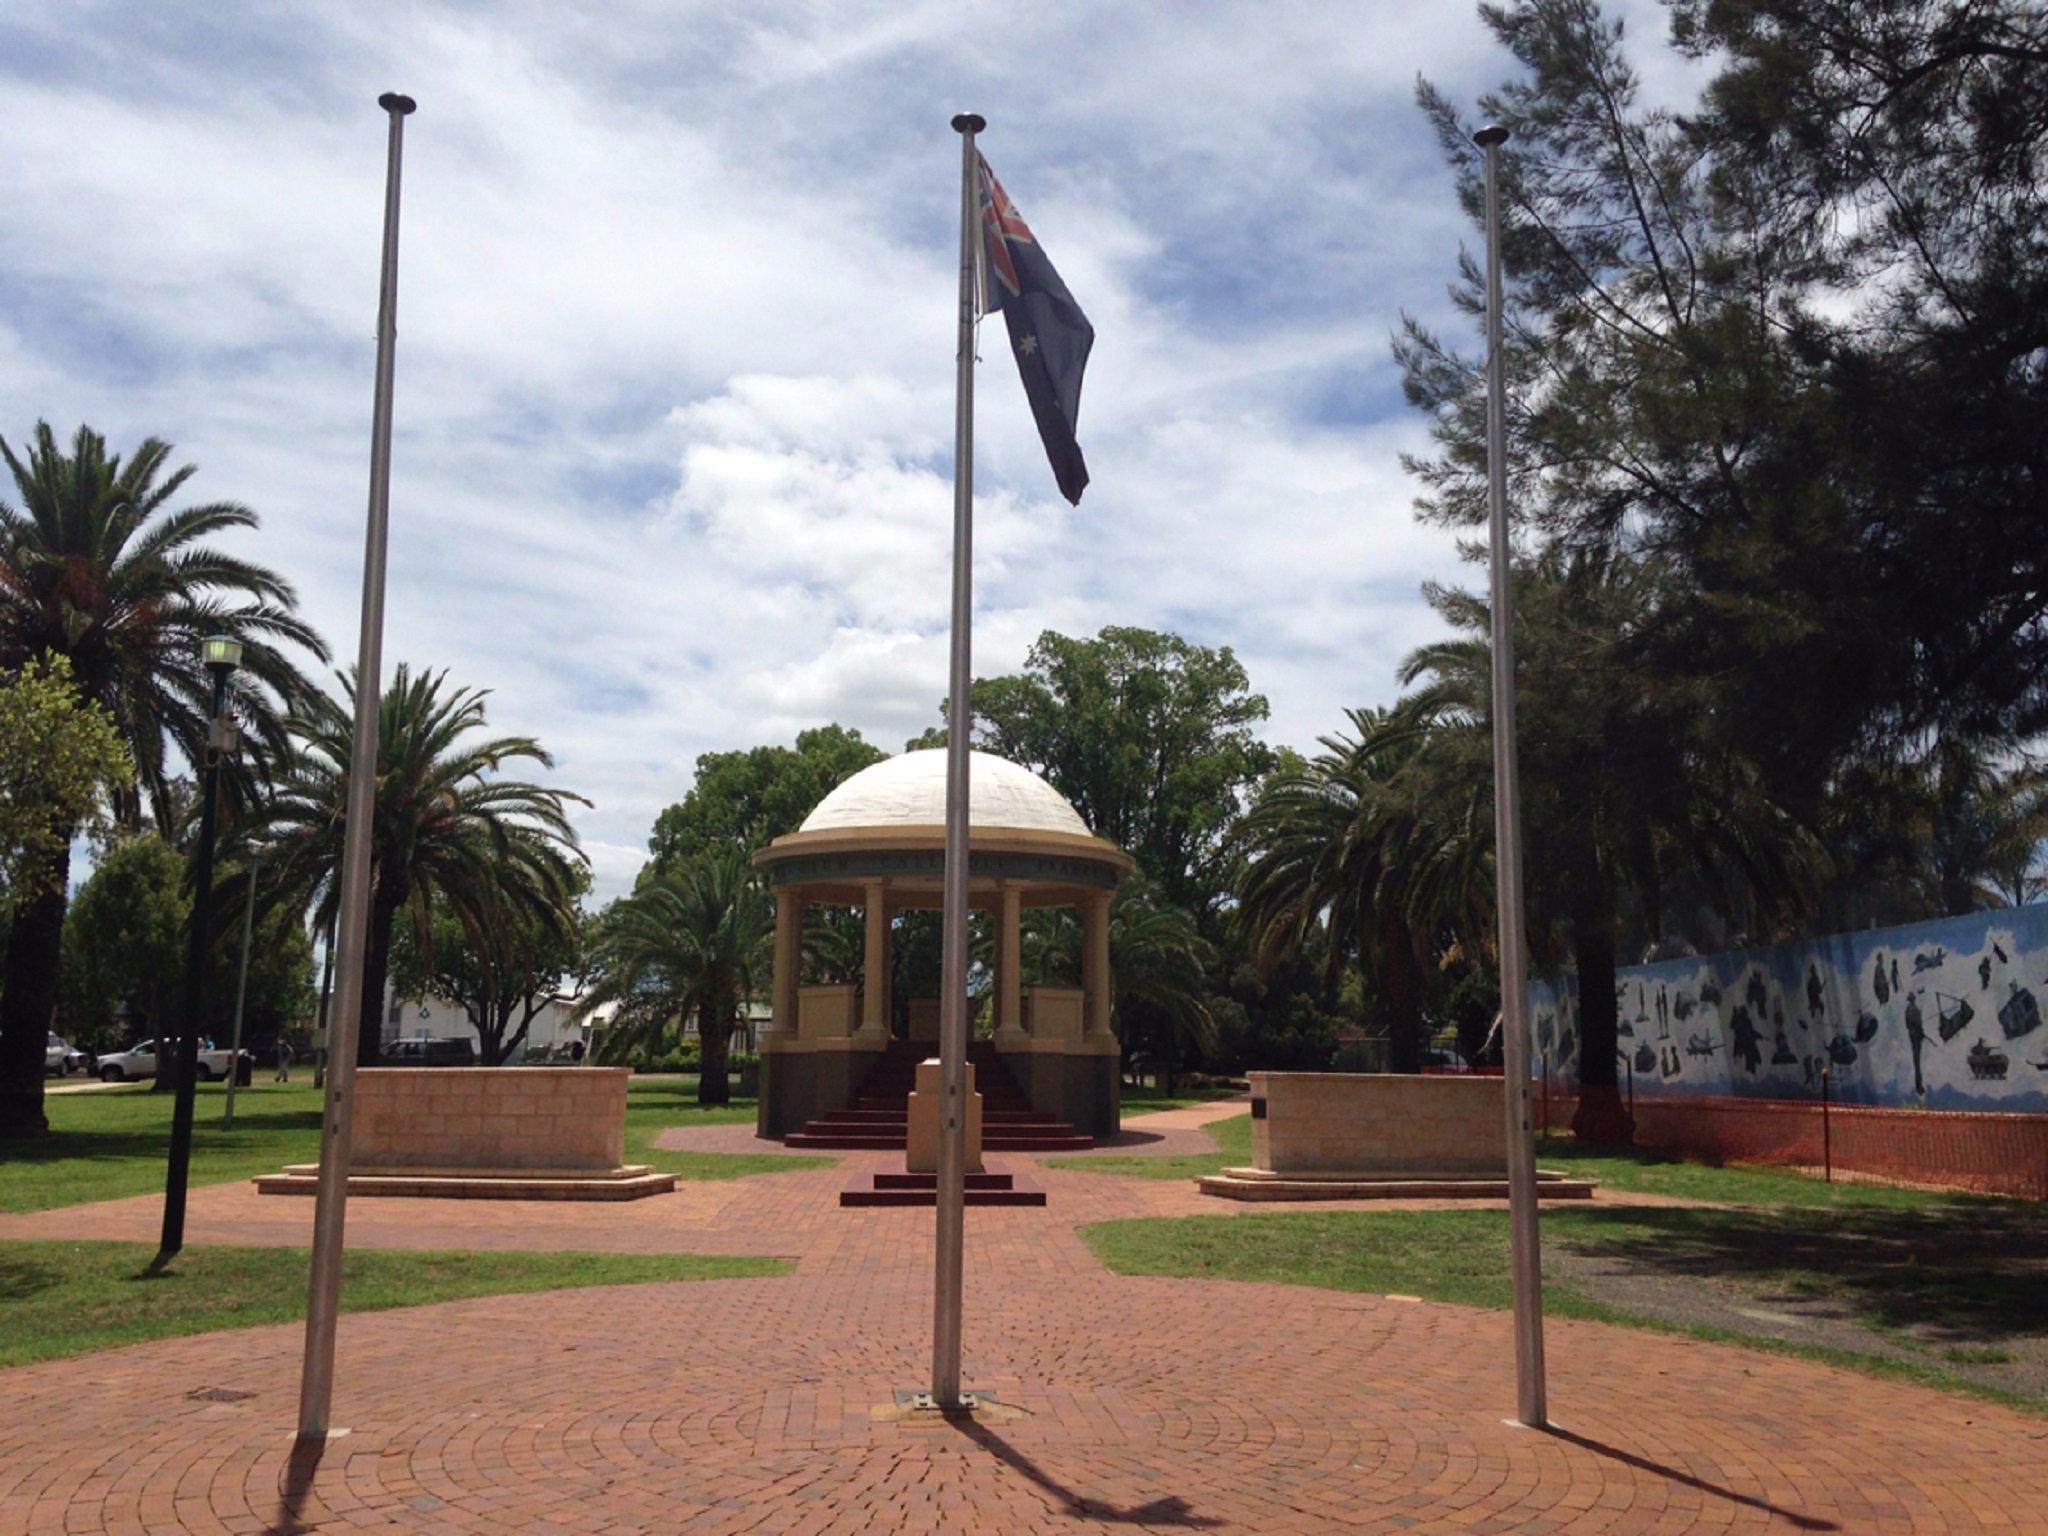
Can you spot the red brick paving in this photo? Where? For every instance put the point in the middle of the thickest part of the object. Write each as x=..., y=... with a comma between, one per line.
x=763, y=1405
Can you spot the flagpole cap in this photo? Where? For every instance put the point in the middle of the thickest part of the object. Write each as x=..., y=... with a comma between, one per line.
x=392, y=101
x=969, y=122
x=1490, y=135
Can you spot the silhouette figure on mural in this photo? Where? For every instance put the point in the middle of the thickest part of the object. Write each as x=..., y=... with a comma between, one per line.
x=1749, y=1045
x=1814, y=991
x=1783, y=1055
x=1984, y=973
x=1879, y=987
x=1933, y=962
x=1916, y=1036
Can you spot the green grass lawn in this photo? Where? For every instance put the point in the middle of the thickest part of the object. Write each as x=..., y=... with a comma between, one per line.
x=111, y=1142
x=1232, y=1135
x=66, y=1298
x=1147, y=1098
x=656, y=1104
x=1662, y=1174
x=1943, y=1291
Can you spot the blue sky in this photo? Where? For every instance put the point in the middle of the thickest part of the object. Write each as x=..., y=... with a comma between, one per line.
x=672, y=465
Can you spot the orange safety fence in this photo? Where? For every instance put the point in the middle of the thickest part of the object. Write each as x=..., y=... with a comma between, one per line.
x=2004, y=1154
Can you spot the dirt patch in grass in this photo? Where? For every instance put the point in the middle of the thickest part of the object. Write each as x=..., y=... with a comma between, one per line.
x=1960, y=1283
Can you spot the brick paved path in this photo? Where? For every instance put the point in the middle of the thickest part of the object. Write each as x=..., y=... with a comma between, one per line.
x=765, y=1405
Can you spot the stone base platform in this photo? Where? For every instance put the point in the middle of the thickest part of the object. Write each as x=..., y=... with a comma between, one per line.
x=631, y=1181
x=1258, y=1184
x=987, y=1186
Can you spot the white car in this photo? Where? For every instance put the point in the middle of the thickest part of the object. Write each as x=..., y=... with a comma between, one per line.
x=140, y=1061
x=61, y=1058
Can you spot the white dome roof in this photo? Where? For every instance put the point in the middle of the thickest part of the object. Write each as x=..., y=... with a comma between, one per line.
x=910, y=791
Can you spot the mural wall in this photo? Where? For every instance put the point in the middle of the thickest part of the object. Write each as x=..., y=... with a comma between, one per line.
x=1942, y=1015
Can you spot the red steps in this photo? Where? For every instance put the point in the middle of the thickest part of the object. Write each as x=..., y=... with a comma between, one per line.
x=879, y=1118
x=991, y=1186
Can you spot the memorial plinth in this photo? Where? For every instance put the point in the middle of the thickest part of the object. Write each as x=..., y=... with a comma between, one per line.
x=918, y=1182
x=1362, y=1136
x=921, y=1152
x=507, y=1133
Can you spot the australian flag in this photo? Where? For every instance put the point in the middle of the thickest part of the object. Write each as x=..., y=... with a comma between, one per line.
x=1048, y=332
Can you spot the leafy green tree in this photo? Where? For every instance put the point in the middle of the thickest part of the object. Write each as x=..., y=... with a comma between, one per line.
x=124, y=943
x=449, y=829
x=691, y=941
x=752, y=796
x=97, y=566
x=504, y=974
x=1149, y=736
x=60, y=756
x=1787, y=342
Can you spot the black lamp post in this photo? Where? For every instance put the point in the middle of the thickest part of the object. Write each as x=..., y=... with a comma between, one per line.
x=221, y=654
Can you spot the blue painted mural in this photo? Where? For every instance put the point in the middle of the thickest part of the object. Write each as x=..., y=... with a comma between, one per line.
x=1942, y=1015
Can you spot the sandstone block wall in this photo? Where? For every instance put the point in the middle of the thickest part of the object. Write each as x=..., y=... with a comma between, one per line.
x=490, y=1117
x=1367, y=1123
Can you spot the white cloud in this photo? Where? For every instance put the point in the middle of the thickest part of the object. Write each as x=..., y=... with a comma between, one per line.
x=675, y=364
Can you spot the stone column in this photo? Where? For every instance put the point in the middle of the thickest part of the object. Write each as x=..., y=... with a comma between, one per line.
x=1095, y=964
x=1009, y=912
x=874, y=979
x=789, y=959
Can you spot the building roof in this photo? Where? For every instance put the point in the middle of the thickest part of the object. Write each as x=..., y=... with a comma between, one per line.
x=910, y=791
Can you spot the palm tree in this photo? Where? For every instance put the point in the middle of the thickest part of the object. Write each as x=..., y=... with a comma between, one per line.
x=446, y=827
x=1985, y=822
x=1371, y=848
x=96, y=566
x=1158, y=965
x=1630, y=780
x=690, y=940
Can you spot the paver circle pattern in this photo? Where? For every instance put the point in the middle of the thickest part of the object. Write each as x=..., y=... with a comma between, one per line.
x=1127, y=1403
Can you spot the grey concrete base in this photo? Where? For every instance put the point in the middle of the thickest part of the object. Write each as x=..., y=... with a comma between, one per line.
x=1084, y=1091
x=799, y=1086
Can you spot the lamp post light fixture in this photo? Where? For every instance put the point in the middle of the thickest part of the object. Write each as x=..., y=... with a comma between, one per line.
x=220, y=654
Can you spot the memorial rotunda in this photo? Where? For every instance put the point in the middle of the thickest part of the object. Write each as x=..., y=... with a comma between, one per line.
x=877, y=842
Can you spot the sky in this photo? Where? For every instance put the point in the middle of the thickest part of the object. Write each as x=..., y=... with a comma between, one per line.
x=673, y=452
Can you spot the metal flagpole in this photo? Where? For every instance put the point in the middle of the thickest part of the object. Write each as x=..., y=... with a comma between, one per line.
x=316, y=1377
x=1526, y=1252
x=242, y=989
x=946, y=1288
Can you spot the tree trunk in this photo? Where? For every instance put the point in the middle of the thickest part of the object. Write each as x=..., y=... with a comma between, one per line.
x=28, y=999
x=1601, y=1117
x=1403, y=989
x=714, y=1041
x=376, y=970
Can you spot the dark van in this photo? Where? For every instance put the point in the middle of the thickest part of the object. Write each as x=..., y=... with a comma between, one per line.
x=423, y=1052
